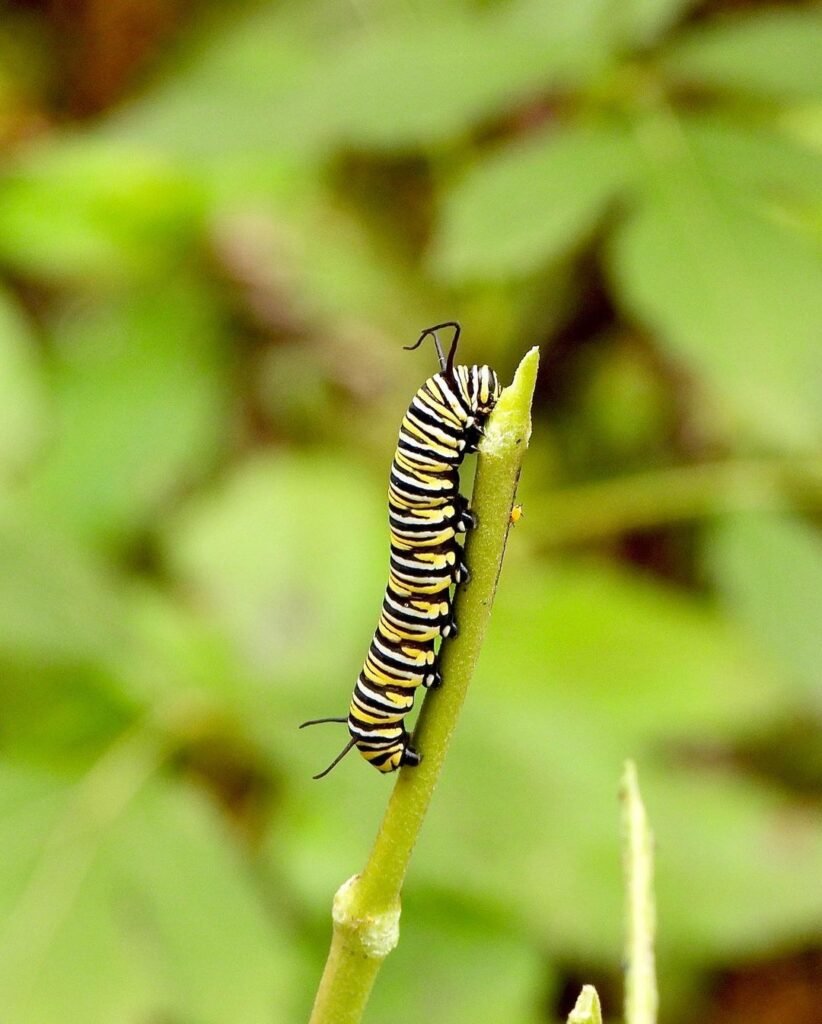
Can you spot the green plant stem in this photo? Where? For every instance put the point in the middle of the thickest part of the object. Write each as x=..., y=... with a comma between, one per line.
x=638, y=854
x=586, y=1009
x=607, y=508
x=367, y=908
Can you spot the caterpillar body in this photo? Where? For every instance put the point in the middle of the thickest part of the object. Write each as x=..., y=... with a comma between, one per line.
x=426, y=512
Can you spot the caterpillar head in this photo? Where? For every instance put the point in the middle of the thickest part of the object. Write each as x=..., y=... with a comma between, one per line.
x=484, y=389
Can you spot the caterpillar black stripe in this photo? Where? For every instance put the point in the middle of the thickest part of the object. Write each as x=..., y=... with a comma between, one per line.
x=426, y=512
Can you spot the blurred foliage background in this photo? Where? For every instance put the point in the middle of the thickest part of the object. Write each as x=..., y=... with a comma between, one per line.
x=219, y=222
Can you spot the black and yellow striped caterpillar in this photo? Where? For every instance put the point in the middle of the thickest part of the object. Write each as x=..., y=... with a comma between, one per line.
x=426, y=511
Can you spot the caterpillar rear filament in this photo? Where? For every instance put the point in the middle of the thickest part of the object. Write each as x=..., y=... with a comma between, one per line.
x=426, y=512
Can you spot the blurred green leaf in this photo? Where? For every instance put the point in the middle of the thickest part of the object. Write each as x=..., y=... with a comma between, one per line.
x=225, y=958
x=57, y=604
x=626, y=409
x=767, y=53
x=130, y=911
x=768, y=568
x=761, y=162
x=77, y=209
x=605, y=665
x=288, y=556
x=139, y=409
x=804, y=124
x=58, y=716
x=407, y=85
x=63, y=638
x=527, y=817
x=602, y=23
x=403, y=82
x=22, y=391
x=649, y=19
x=342, y=274
x=528, y=811
x=651, y=662
x=531, y=203
x=458, y=965
x=180, y=659
x=735, y=865
x=739, y=299
x=239, y=74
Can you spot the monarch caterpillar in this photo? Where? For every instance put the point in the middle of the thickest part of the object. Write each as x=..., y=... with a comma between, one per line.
x=426, y=511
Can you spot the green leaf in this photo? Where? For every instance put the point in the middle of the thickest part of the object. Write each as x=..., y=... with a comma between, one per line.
x=139, y=410
x=180, y=658
x=241, y=74
x=402, y=83
x=604, y=666
x=61, y=717
x=603, y=23
x=594, y=638
x=21, y=392
x=649, y=19
x=531, y=203
x=766, y=53
x=769, y=570
x=224, y=958
x=543, y=808
x=759, y=161
x=63, y=641
x=131, y=910
x=735, y=297
x=527, y=807
x=421, y=83
x=288, y=550
x=735, y=865
x=527, y=816
x=58, y=606
x=804, y=125
x=80, y=209
x=457, y=964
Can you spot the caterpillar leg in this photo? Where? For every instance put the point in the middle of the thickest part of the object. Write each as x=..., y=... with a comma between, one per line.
x=464, y=519
x=432, y=680
x=474, y=435
x=450, y=628
x=462, y=573
x=410, y=757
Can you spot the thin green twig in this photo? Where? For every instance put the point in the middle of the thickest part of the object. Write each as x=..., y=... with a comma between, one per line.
x=367, y=907
x=606, y=508
x=638, y=853
x=586, y=1009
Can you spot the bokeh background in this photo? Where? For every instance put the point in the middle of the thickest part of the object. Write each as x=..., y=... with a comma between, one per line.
x=219, y=223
